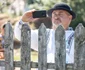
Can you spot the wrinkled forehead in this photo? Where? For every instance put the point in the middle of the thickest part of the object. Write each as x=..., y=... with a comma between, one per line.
x=60, y=12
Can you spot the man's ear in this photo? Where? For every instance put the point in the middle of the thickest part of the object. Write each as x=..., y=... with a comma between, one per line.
x=70, y=17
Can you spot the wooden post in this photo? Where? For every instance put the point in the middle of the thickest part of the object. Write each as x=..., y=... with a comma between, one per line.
x=42, y=49
x=60, y=49
x=25, y=47
x=9, y=47
x=79, y=53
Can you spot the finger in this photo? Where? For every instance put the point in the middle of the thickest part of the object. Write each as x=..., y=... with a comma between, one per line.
x=30, y=11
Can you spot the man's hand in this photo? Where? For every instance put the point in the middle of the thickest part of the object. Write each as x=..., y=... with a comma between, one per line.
x=28, y=16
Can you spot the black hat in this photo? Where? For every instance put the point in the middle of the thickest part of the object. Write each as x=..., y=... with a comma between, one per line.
x=61, y=7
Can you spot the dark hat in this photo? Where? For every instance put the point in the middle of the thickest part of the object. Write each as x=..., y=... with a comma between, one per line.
x=61, y=7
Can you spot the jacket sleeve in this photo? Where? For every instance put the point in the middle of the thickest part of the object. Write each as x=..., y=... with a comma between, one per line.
x=17, y=30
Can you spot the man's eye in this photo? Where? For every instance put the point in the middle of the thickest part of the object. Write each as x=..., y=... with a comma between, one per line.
x=61, y=14
x=0, y=41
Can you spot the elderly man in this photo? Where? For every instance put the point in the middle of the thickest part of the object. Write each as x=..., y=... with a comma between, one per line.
x=60, y=14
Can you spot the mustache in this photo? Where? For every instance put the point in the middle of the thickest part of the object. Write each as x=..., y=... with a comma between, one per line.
x=58, y=19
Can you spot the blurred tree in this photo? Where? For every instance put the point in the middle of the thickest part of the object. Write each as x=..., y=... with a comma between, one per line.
x=2, y=5
x=30, y=1
x=43, y=4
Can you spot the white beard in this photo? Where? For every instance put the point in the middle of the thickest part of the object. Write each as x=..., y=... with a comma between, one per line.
x=55, y=26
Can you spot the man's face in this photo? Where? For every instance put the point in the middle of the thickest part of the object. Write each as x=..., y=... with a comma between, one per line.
x=61, y=17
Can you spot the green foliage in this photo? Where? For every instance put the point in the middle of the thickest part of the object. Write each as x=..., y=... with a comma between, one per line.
x=78, y=7
x=30, y=1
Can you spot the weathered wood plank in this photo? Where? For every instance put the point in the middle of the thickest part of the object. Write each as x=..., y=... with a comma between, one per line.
x=8, y=47
x=60, y=49
x=42, y=48
x=79, y=53
x=35, y=64
x=25, y=47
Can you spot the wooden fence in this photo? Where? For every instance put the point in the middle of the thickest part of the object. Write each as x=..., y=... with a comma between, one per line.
x=60, y=53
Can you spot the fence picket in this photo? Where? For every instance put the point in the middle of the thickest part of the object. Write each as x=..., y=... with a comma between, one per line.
x=8, y=47
x=60, y=50
x=42, y=53
x=25, y=47
x=79, y=53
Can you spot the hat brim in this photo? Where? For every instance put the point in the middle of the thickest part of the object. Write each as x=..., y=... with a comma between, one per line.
x=60, y=8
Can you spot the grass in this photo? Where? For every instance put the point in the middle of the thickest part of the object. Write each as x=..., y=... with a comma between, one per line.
x=34, y=56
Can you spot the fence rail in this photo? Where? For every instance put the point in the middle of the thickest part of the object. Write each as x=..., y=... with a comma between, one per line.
x=60, y=53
